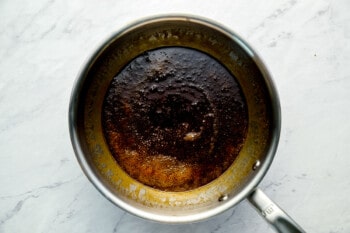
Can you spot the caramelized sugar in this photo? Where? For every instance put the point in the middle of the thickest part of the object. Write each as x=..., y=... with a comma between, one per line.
x=174, y=118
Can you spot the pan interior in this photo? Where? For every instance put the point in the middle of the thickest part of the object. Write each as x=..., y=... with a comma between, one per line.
x=96, y=158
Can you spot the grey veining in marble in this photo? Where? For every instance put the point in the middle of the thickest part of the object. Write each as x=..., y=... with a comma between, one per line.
x=44, y=43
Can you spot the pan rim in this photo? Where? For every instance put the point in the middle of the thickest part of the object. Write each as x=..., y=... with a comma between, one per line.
x=260, y=173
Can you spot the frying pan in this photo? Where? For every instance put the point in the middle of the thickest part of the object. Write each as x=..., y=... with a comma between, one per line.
x=238, y=182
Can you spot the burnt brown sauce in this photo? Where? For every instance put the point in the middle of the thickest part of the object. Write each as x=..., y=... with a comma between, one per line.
x=174, y=118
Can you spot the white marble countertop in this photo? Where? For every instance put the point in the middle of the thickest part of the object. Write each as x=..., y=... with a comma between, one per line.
x=43, y=45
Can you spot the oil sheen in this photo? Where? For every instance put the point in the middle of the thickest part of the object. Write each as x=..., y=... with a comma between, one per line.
x=174, y=118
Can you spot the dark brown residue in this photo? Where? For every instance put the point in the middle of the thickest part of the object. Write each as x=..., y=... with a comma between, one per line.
x=174, y=118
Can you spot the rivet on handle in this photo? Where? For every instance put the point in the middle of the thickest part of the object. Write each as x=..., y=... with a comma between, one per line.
x=256, y=165
x=223, y=198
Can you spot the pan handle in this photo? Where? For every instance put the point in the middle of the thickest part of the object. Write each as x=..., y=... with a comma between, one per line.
x=273, y=214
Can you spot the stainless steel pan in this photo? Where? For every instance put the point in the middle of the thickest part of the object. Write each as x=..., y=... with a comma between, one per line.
x=242, y=177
